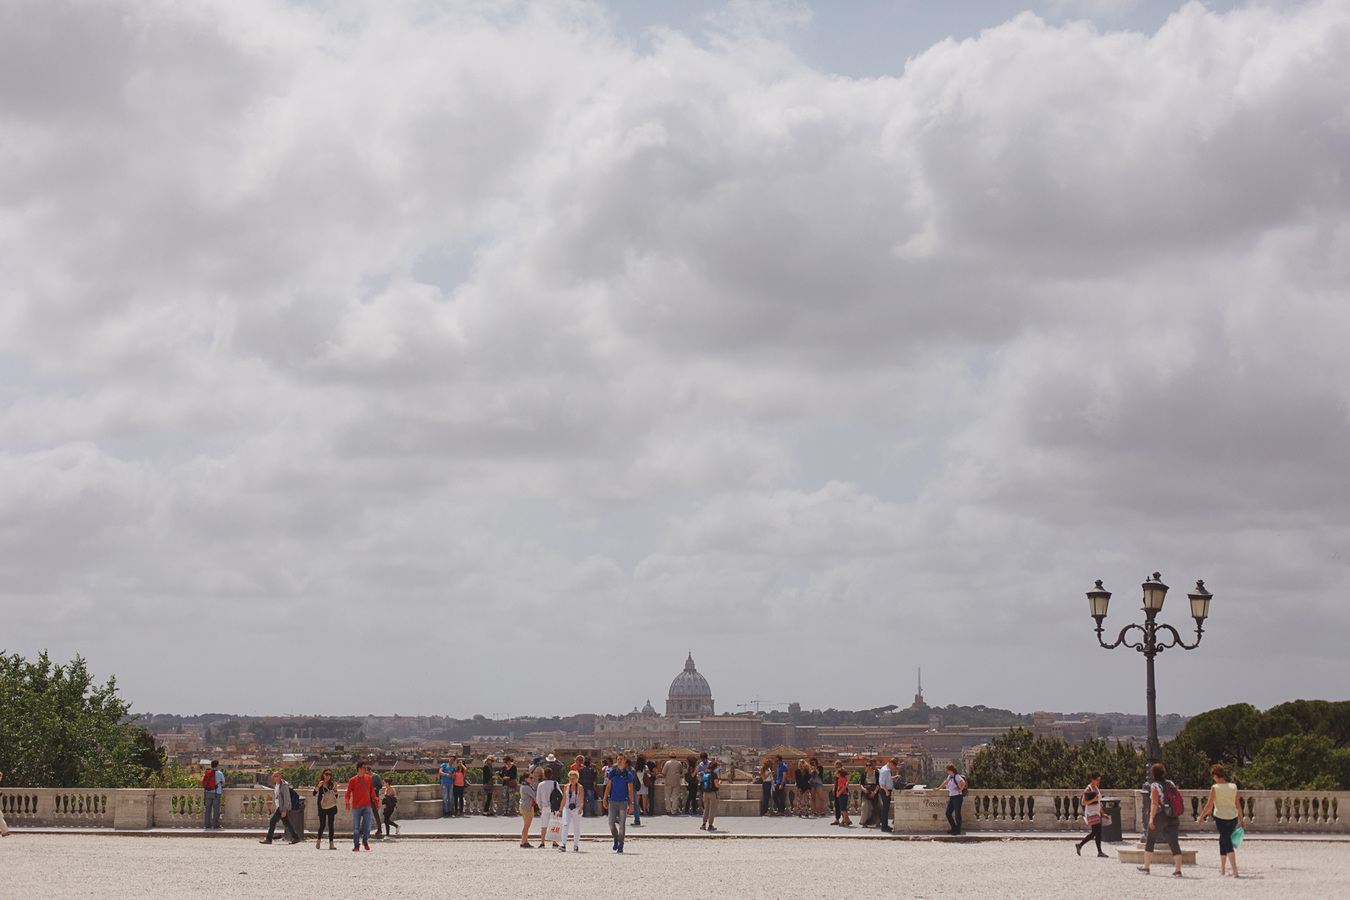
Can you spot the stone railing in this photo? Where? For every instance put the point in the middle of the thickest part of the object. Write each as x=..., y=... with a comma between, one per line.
x=914, y=812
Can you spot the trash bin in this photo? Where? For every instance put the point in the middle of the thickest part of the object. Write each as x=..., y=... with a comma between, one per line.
x=1111, y=832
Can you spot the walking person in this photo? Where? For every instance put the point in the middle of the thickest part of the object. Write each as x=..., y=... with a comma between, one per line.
x=487, y=786
x=1226, y=807
x=765, y=788
x=389, y=800
x=213, y=783
x=870, y=805
x=955, y=786
x=527, y=807
x=4, y=828
x=447, y=780
x=377, y=788
x=510, y=782
x=573, y=805
x=1164, y=812
x=841, y=798
x=282, y=806
x=885, y=787
x=619, y=795
x=544, y=793
x=326, y=794
x=710, y=784
x=1092, y=813
x=361, y=800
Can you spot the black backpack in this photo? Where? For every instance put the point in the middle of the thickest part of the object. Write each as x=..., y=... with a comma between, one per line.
x=295, y=799
x=555, y=798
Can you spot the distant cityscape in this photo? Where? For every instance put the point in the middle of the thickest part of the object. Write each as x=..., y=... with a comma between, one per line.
x=925, y=737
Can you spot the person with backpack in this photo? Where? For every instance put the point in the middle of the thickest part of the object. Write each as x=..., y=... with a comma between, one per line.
x=1224, y=803
x=549, y=798
x=327, y=793
x=619, y=795
x=709, y=784
x=213, y=782
x=361, y=800
x=1164, y=818
x=285, y=802
x=1092, y=814
x=955, y=787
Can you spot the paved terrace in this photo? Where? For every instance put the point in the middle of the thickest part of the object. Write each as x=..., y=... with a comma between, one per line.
x=117, y=865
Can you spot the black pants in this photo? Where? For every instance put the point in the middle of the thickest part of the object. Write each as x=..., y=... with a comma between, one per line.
x=375, y=818
x=690, y=798
x=327, y=817
x=1094, y=835
x=766, y=790
x=389, y=814
x=1226, y=827
x=459, y=800
x=885, y=810
x=286, y=822
x=780, y=799
x=487, y=799
x=954, y=812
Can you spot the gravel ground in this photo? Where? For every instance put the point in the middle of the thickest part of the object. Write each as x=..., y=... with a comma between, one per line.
x=124, y=867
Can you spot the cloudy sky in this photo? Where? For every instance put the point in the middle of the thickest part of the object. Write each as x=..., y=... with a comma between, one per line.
x=455, y=357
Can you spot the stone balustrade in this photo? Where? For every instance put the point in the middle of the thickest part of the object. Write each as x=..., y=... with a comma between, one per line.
x=914, y=812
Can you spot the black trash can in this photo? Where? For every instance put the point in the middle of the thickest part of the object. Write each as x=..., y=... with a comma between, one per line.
x=1111, y=831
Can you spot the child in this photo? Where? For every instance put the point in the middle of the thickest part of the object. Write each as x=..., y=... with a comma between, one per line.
x=841, y=798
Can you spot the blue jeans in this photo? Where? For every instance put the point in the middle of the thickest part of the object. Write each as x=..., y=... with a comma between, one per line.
x=360, y=826
x=590, y=801
x=210, y=809
x=445, y=799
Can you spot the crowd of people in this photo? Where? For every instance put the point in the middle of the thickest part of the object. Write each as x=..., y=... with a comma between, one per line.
x=554, y=797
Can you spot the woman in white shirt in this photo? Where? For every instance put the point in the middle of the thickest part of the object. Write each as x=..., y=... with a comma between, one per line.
x=543, y=793
x=1092, y=813
x=573, y=803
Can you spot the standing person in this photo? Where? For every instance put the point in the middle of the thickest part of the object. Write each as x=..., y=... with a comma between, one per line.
x=577, y=764
x=461, y=774
x=885, y=787
x=282, y=805
x=803, y=778
x=527, y=806
x=390, y=802
x=640, y=782
x=955, y=786
x=213, y=782
x=870, y=806
x=377, y=788
x=691, y=787
x=817, y=784
x=1227, y=809
x=573, y=805
x=780, y=771
x=587, y=778
x=487, y=786
x=670, y=779
x=4, y=828
x=543, y=795
x=1092, y=814
x=841, y=798
x=765, y=788
x=326, y=793
x=619, y=795
x=360, y=800
x=447, y=780
x=1164, y=812
x=510, y=779
x=709, y=783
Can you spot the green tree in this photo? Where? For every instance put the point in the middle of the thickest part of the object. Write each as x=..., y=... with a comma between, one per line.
x=1186, y=764
x=1300, y=762
x=62, y=730
x=1231, y=734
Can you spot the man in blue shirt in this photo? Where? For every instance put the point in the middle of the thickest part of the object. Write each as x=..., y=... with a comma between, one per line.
x=780, y=786
x=211, y=796
x=447, y=787
x=618, y=797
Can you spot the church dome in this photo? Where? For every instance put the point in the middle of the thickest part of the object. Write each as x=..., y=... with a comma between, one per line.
x=690, y=693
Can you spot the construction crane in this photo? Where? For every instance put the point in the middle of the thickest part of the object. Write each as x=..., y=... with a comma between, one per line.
x=756, y=703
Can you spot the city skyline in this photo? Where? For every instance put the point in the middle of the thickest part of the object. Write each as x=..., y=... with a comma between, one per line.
x=518, y=349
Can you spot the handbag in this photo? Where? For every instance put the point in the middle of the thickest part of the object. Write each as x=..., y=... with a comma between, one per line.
x=555, y=829
x=1238, y=834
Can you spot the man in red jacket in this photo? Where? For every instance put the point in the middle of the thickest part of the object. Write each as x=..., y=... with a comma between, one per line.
x=361, y=801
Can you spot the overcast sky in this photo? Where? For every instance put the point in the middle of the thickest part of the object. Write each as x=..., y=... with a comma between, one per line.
x=457, y=357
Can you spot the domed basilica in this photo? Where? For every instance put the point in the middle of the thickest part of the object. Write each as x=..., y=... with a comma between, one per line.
x=690, y=696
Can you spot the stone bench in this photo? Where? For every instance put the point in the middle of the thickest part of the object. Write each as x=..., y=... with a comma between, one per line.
x=1136, y=857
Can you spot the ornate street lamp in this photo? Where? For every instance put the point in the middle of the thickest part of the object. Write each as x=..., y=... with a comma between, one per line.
x=1155, y=592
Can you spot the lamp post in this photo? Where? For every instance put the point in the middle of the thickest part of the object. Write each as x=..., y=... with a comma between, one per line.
x=1148, y=643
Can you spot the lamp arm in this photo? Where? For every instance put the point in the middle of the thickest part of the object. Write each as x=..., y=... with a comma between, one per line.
x=1176, y=638
x=1121, y=639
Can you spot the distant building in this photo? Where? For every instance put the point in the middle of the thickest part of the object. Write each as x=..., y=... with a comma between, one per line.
x=690, y=695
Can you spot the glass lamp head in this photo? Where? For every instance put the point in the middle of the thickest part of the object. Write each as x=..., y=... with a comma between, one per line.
x=1099, y=598
x=1154, y=593
x=1200, y=602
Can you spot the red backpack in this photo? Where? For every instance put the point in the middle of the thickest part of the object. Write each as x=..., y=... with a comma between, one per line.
x=209, y=780
x=1172, y=804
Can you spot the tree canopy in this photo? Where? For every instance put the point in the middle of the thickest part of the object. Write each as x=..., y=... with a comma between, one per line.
x=61, y=729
